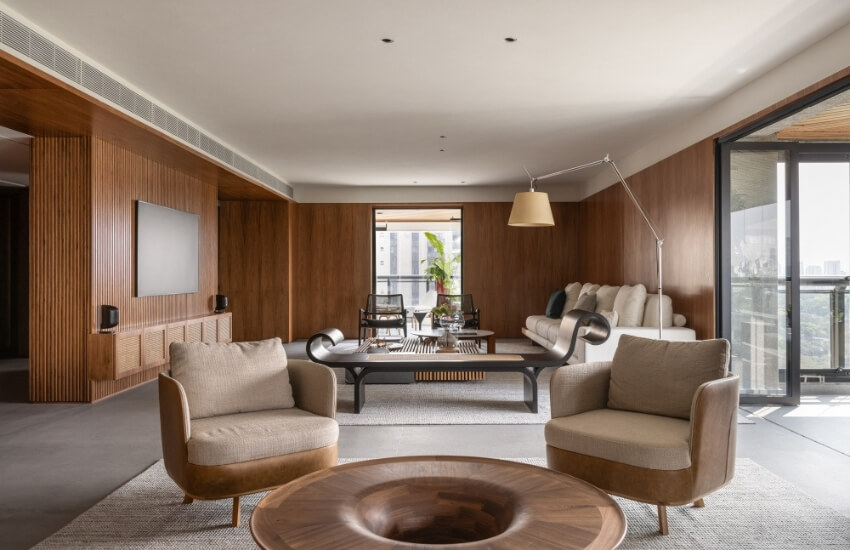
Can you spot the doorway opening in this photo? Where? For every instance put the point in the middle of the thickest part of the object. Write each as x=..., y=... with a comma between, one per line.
x=15, y=153
x=417, y=253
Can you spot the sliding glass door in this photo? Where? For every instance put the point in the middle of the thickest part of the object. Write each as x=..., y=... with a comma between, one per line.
x=785, y=265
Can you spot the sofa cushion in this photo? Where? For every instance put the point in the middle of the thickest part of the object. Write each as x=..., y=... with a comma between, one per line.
x=587, y=288
x=240, y=437
x=660, y=376
x=573, y=291
x=650, y=312
x=227, y=378
x=556, y=304
x=548, y=328
x=610, y=316
x=532, y=320
x=679, y=320
x=629, y=305
x=605, y=297
x=587, y=302
x=642, y=440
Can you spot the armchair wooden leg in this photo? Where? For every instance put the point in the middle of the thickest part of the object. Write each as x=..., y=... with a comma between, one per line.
x=187, y=499
x=699, y=503
x=662, y=519
x=236, y=512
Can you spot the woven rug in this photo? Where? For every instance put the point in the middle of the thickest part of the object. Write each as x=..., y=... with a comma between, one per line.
x=758, y=510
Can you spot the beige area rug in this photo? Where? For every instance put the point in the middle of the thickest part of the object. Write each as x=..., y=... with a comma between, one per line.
x=758, y=510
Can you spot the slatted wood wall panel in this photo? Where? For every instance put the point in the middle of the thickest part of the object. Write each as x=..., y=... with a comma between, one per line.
x=678, y=195
x=331, y=266
x=121, y=176
x=60, y=268
x=14, y=272
x=511, y=271
x=253, y=254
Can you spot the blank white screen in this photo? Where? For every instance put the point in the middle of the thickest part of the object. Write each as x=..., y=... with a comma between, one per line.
x=166, y=250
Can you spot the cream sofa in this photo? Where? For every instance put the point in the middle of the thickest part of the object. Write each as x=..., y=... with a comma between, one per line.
x=629, y=310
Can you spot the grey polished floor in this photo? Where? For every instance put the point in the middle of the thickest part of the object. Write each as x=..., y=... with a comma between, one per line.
x=58, y=460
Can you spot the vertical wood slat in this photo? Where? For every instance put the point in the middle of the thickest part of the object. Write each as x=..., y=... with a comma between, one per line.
x=121, y=176
x=60, y=268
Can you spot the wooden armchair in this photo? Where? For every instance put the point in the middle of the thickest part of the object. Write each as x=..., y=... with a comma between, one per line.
x=657, y=424
x=382, y=311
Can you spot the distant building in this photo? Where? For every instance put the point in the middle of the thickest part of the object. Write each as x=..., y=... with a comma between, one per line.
x=832, y=267
x=814, y=270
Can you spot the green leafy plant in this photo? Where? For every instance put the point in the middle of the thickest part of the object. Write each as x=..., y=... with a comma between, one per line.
x=440, y=270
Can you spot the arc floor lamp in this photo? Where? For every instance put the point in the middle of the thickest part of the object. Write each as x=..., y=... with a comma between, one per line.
x=532, y=209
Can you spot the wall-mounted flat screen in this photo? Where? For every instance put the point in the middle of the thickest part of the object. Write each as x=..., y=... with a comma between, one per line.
x=166, y=250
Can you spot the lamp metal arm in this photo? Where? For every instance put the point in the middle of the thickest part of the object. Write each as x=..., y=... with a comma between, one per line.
x=659, y=241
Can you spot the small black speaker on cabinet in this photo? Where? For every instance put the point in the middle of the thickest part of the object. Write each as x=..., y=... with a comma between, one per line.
x=108, y=317
x=220, y=302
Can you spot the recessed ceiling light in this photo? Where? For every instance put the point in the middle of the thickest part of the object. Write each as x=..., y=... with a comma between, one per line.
x=441, y=150
x=415, y=182
x=510, y=39
x=463, y=182
x=387, y=40
x=442, y=137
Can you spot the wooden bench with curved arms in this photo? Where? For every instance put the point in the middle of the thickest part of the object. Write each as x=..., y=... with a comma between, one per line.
x=652, y=455
x=257, y=469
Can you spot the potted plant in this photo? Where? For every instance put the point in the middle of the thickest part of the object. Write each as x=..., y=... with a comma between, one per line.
x=440, y=270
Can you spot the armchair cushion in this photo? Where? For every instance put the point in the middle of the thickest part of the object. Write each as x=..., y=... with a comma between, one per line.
x=228, y=378
x=661, y=377
x=642, y=440
x=247, y=436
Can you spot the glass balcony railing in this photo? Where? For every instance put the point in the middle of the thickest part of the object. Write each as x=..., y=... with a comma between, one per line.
x=823, y=331
x=414, y=288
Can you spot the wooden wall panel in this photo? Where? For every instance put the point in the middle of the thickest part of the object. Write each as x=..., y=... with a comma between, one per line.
x=121, y=176
x=14, y=272
x=678, y=195
x=254, y=267
x=511, y=271
x=60, y=268
x=331, y=266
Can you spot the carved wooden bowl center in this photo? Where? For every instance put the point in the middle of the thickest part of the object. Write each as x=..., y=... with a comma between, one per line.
x=437, y=510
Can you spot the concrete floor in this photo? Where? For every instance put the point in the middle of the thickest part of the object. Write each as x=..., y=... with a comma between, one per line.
x=58, y=460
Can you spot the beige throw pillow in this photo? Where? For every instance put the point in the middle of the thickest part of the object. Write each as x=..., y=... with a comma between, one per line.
x=629, y=305
x=573, y=291
x=650, y=313
x=586, y=302
x=605, y=297
x=661, y=377
x=232, y=378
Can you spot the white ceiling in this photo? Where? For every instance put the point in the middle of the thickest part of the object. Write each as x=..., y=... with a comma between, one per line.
x=308, y=90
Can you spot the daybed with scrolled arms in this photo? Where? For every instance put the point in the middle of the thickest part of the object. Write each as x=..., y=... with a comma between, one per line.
x=240, y=418
x=629, y=310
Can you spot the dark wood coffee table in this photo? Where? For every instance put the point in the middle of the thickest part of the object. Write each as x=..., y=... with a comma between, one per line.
x=418, y=502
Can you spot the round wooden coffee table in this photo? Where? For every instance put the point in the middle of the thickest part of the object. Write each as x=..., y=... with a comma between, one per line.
x=419, y=502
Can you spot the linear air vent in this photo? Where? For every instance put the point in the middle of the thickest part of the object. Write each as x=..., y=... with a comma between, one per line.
x=42, y=51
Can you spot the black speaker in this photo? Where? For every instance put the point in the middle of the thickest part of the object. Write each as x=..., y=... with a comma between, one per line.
x=108, y=317
x=220, y=302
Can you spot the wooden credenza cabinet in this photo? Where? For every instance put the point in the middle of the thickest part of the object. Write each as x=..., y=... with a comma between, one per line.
x=114, y=355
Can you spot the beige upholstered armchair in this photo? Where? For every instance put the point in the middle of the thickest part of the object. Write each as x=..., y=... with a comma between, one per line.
x=240, y=418
x=657, y=424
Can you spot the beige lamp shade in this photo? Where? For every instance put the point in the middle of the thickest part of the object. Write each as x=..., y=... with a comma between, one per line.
x=531, y=209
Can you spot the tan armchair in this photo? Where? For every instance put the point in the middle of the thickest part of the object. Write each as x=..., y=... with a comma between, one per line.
x=234, y=427
x=657, y=424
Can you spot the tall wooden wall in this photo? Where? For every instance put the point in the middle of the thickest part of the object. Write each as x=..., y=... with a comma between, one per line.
x=511, y=271
x=254, y=266
x=678, y=195
x=331, y=266
x=120, y=177
x=60, y=268
x=82, y=210
x=14, y=272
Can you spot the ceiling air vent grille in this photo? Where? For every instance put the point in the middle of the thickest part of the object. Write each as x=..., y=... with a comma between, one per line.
x=44, y=52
